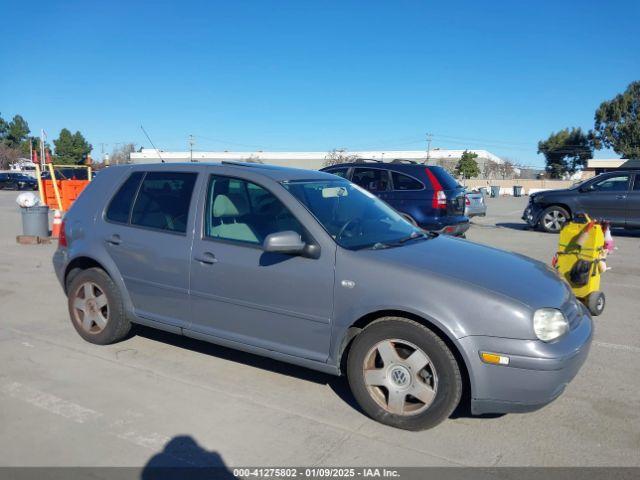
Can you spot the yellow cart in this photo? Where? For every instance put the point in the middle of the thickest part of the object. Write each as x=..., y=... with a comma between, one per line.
x=580, y=260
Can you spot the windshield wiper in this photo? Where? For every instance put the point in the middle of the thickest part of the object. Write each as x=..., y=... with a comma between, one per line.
x=413, y=236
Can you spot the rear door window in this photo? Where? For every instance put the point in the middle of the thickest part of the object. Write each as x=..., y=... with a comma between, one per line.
x=405, y=182
x=372, y=179
x=636, y=183
x=163, y=201
x=120, y=205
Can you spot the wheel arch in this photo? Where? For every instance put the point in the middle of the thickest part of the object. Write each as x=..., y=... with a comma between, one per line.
x=365, y=320
x=79, y=264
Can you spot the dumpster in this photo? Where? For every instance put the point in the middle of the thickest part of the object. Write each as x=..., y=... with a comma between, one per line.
x=495, y=191
x=483, y=191
x=35, y=221
x=517, y=190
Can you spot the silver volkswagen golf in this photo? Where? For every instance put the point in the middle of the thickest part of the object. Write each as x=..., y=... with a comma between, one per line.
x=307, y=268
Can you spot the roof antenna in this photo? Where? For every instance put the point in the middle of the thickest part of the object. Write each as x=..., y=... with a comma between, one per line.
x=151, y=142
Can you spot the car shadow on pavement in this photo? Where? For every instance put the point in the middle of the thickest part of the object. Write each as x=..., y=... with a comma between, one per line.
x=339, y=385
x=182, y=458
x=514, y=226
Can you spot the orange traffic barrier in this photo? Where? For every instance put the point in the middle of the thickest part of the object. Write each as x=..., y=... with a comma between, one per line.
x=69, y=190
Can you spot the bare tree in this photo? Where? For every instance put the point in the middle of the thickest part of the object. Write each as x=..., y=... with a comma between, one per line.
x=506, y=169
x=8, y=155
x=448, y=164
x=122, y=154
x=253, y=158
x=336, y=157
x=490, y=169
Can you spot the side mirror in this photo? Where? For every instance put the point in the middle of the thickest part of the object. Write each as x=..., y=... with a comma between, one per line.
x=288, y=242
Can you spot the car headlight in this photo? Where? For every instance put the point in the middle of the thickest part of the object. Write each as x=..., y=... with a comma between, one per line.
x=549, y=324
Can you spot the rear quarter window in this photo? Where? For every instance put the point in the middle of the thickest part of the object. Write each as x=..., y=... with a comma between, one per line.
x=446, y=180
x=120, y=206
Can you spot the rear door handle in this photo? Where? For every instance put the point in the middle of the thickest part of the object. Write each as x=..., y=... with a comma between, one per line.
x=114, y=240
x=207, y=258
x=621, y=197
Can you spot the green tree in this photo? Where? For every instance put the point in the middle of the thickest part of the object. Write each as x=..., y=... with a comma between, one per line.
x=467, y=166
x=617, y=123
x=4, y=128
x=566, y=151
x=71, y=148
x=16, y=132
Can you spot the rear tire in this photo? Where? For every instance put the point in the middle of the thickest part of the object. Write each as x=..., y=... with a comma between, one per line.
x=402, y=374
x=553, y=218
x=96, y=307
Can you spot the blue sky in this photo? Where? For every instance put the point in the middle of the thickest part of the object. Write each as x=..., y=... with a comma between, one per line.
x=317, y=75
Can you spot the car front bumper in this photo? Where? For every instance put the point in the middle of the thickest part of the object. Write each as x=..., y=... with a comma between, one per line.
x=531, y=214
x=537, y=372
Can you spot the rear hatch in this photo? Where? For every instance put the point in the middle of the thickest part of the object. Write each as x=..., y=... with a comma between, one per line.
x=453, y=191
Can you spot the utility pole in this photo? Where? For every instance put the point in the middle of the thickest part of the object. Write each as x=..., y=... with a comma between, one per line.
x=191, y=143
x=429, y=137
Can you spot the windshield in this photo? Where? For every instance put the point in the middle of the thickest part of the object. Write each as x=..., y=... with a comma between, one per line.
x=352, y=216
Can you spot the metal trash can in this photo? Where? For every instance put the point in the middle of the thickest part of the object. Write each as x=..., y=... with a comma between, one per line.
x=35, y=221
x=517, y=190
x=495, y=191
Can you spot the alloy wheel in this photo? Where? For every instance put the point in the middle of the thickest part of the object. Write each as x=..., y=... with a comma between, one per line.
x=400, y=377
x=554, y=220
x=90, y=308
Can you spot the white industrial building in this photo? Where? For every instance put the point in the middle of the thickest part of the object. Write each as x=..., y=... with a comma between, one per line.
x=311, y=160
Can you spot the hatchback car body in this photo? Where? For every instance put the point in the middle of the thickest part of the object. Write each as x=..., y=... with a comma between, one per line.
x=308, y=268
x=427, y=196
x=612, y=196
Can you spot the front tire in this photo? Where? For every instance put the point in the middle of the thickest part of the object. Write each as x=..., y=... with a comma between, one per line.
x=553, y=219
x=402, y=374
x=595, y=303
x=96, y=307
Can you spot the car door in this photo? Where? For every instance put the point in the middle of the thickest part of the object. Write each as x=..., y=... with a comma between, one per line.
x=148, y=232
x=606, y=198
x=407, y=193
x=239, y=292
x=633, y=203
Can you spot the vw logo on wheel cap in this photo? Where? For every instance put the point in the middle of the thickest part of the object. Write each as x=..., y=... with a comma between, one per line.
x=400, y=376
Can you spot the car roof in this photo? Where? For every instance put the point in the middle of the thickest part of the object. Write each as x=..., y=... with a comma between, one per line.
x=274, y=172
x=399, y=166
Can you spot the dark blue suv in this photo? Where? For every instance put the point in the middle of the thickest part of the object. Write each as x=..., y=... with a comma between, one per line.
x=427, y=196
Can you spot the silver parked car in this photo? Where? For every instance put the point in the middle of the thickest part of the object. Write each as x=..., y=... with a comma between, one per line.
x=475, y=204
x=308, y=268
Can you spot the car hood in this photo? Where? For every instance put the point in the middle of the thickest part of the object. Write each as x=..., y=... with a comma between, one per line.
x=551, y=192
x=509, y=274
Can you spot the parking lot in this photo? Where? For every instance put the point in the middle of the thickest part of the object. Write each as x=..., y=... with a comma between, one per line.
x=176, y=400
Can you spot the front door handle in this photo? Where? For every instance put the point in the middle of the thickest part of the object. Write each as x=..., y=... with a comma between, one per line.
x=621, y=197
x=114, y=239
x=207, y=258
